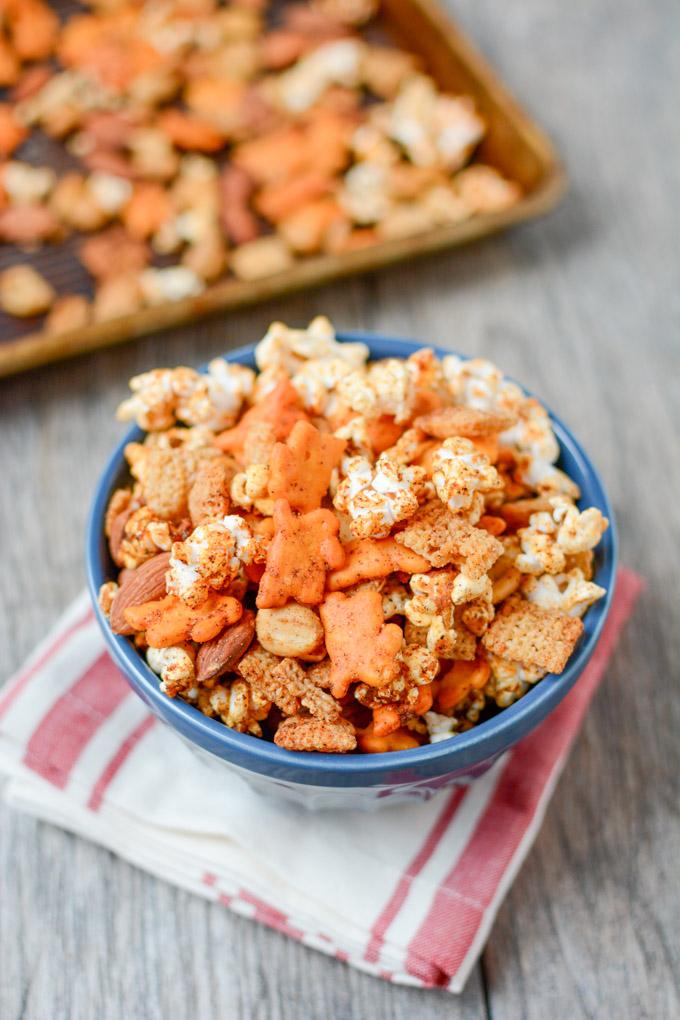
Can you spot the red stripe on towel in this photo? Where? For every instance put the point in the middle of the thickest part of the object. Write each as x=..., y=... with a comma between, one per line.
x=116, y=763
x=24, y=678
x=62, y=735
x=414, y=868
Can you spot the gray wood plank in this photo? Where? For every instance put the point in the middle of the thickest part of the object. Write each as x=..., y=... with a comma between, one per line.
x=582, y=307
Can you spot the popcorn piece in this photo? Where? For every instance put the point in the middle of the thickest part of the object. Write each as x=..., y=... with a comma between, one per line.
x=106, y=596
x=174, y=283
x=569, y=593
x=175, y=666
x=24, y=292
x=434, y=129
x=484, y=190
x=305, y=733
x=301, y=469
x=109, y=191
x=431, y=609
x=532, y=636
x=441, y=727
x=25, y=184
x=144, y=535
x=465, y=589
x=459, y=472
x=289, y=349
x=378, y=497
x=478, y=383
x=218, y=397
x=509, y=681
x=388, y=387
x=239, y=706
x=316, y=381
x=301, y=551
x=370, y=558
x=394, y=596
x=156, y=395
x=442, y=538
x=371, y=655
x=211, y=558
x=335, y=63
x=550, y=536
x=577, y=531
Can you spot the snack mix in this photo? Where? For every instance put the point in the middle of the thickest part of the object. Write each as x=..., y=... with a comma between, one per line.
x=339, y=555
x=203, y=140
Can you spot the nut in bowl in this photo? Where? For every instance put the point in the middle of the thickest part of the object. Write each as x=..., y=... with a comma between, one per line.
x=356, y=575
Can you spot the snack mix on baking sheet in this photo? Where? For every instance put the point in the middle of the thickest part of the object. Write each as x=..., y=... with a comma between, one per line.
x=208, y=139
x=339, y=555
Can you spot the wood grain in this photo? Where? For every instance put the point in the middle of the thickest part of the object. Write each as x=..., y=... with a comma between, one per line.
x=583, y=307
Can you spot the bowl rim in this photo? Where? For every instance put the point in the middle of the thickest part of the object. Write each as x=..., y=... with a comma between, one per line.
x=476, y=745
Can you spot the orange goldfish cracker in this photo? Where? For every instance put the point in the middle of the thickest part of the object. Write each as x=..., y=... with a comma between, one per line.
x=302, y=549
x=305, y=230
x=300, y=469
x=281, y=410
x=279, y=199
x=188, y=131
x=494, y=525
x=33, y=28
x=386, y=719
x=382, y=433
x=169, y=621
x=457, y=683
x=371, y=653
x=148, y=208
x=399, y=740
x=506, y=584
x=518, y=513
x=371, y=558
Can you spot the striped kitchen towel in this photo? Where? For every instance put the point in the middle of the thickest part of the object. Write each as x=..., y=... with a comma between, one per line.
x=407, y=895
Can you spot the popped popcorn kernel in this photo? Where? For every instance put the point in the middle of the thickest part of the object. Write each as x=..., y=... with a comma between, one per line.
x=377, y=497
x=210, y=558
x=459, y=472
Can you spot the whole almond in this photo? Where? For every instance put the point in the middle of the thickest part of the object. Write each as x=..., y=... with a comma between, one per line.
x=222, y=653
x=143, y=584
x=118, y=533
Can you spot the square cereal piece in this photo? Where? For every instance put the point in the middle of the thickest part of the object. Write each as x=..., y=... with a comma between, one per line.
x=533, y=637
x=442, y=538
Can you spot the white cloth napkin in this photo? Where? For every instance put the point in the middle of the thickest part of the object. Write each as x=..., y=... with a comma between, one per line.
x=408, y=894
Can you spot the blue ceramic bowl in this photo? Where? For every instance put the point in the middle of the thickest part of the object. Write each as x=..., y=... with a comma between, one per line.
x=362, y=780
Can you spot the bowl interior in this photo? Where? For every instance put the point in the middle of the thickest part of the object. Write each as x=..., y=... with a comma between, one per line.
x=482, y=741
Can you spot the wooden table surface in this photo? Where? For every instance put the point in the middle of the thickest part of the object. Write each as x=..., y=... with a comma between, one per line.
x=584, y=307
